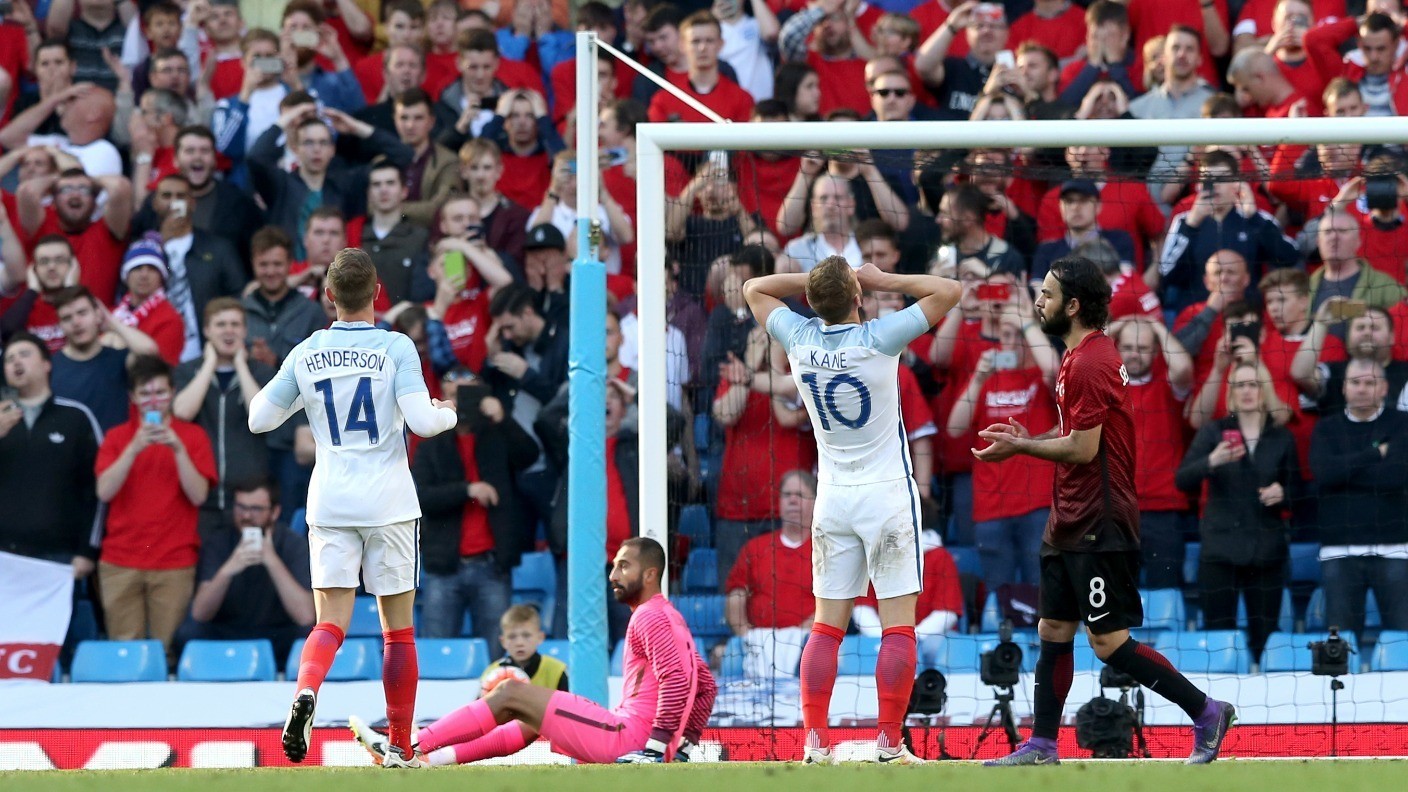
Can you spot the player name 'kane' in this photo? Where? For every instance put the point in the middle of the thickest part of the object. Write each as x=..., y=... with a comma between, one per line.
x=317, y=360
x=831, y=360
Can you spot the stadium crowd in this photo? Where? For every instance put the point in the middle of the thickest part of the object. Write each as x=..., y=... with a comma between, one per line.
x=177, y=176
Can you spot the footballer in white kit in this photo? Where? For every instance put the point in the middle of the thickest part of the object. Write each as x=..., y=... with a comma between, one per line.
x=866, y=525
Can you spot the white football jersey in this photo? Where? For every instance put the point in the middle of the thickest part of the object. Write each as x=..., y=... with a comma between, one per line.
x=349, y=377
x=848, y=376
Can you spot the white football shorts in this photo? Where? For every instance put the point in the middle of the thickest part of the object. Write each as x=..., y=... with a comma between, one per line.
x=866, y=533
x=387, y=556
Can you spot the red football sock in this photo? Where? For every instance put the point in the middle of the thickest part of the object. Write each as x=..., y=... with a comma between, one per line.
x=470, y=722
x=894, y=679
x=318, y=652
x=505, y=740
x=399, y=675
x=818, y=678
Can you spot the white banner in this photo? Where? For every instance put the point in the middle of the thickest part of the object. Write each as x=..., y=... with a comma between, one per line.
x=38, y=597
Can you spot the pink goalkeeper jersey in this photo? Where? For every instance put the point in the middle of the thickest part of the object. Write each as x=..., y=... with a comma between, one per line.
x=661, y=669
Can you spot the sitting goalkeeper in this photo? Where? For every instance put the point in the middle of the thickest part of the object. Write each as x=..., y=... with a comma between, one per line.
x=666, y=702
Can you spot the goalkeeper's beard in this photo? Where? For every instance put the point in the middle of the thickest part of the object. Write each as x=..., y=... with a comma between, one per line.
x=1058, y=325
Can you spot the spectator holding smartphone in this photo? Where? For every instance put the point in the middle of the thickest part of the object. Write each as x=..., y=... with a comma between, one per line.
x=1249, y=465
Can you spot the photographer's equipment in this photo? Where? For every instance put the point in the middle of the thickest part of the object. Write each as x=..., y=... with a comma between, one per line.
x=1330, y=658
x=1001, y=668
x=926, y=704
x=1113, y=677
x=1105, y=728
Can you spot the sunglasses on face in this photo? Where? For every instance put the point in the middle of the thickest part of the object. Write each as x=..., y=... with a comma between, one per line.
x=886, y=93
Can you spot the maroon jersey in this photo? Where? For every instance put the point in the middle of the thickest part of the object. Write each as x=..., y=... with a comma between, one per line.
x=1094, y=507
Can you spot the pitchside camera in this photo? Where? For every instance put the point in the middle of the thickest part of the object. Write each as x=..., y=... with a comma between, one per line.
x=929, y=694
x=1001, y=666
x=1330, y=657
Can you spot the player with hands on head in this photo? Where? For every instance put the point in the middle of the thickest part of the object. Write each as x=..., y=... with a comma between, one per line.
x=866, y=526
x=665, y=709
x=1090, y=554
x=361, y=386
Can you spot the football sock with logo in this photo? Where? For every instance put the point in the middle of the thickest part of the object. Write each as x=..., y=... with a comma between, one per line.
x=1055, y=666
x=505, y=740
x=1153, y=671
x=400, y=674
x=470, y=722
x=818, y=679
x=894, y=680
x=318, y=653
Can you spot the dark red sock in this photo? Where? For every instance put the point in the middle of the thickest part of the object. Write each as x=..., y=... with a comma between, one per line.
x=894, y=679
x=399, y=675
x=318, y=652
x=819, y=677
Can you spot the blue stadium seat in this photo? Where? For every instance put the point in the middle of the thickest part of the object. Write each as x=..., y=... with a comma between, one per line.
x=535, y=581
x=1287, y=651
x=119, y=661
x=1207, y=651
x=1391, y=652
x=1163, y=609
x=451, y=658
x=618, y=658
x=732, y=666
x=967, y=560
x=558, y=648
x=1315, y=611
x=703, y=429
x=1191, y=553
x=226, y=661
x=366, y=620
x=694, y=523
x=857, y=657
x=1372, y=618
x=701, y=571
x=1305, y=562
x=357, y=659
x=298, y=522
x=954, y=653
x=1284, y=623
x=991, y=618
x=704, y=613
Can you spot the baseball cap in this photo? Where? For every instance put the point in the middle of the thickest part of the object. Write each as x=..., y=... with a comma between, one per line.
x=545, y=235
x=1082, y=186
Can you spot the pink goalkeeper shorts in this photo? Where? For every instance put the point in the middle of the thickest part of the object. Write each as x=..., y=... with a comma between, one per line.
x=586, y=731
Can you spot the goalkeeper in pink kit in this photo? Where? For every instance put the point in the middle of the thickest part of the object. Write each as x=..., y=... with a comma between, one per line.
x=666, y=701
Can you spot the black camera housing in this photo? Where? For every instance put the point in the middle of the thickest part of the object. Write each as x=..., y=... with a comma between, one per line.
x=1002, y=665
x=929, y=694
x=1330, y=657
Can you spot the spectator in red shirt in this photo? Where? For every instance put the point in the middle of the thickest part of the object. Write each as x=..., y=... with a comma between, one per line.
x=54, y=269
x=769, y=587
x=1011, y=383
x=145, y=306
x=1254, y=22
x=527, y=139
x=1262, y=89
x=1160, y=378
x=505, y=222
x=1383, y=233
x=1290, y=21
x=940, y=601
x=1238, y=345
x=761, y=443
x=224, y=28
x=1383, y=84
x=1342, y=99
x=1058, y=25
x=97, y=243
x=404, y=23
x=460, y=308
x=702, y=38
x=1198, y=326
x=831, y=53
x=153, y=473
x=1208, y=17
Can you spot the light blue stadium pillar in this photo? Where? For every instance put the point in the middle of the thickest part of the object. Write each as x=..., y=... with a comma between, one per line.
x=586, y=421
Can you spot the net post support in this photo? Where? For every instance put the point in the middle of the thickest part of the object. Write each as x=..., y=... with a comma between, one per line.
x=653, y=400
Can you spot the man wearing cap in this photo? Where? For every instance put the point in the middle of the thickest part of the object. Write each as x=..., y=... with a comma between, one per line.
x=145, y=306
x=1080, y=210
x=546, y=269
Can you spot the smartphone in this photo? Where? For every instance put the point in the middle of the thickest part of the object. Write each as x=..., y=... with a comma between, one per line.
x=1004, y=361
x=1347, y=309
x=1381, y=192
x=472, y=233
x=152, y=417
x=271, y=64
x=1004, y=58
x=304, y=39
x=254, y=537
x=468, y=395
x=1232, y=437
x=616, y=156
x=178, y=207
x=454, y=266
x=1205, y=188
x=994, y=292
x=1248, y=330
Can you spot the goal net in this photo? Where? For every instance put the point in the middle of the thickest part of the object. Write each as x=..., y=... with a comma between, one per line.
x=1221, y=241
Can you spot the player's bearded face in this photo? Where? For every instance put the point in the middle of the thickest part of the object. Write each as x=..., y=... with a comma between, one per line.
x=1054, y=320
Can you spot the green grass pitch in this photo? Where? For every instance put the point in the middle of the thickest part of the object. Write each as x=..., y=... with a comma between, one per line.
x=1224, y=776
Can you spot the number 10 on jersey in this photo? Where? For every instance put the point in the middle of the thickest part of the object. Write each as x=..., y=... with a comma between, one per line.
x=361, y=415
x=824, y=397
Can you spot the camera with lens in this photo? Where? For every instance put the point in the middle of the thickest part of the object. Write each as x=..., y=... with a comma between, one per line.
x=1330, y=657
x=1001, y=666
x=1111, y=677
x=929, y=694
x=1105, y=727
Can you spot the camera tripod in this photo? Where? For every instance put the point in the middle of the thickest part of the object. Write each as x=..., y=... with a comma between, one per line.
x=1002, y=712
x=1141, y=745
x=1335, y=687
